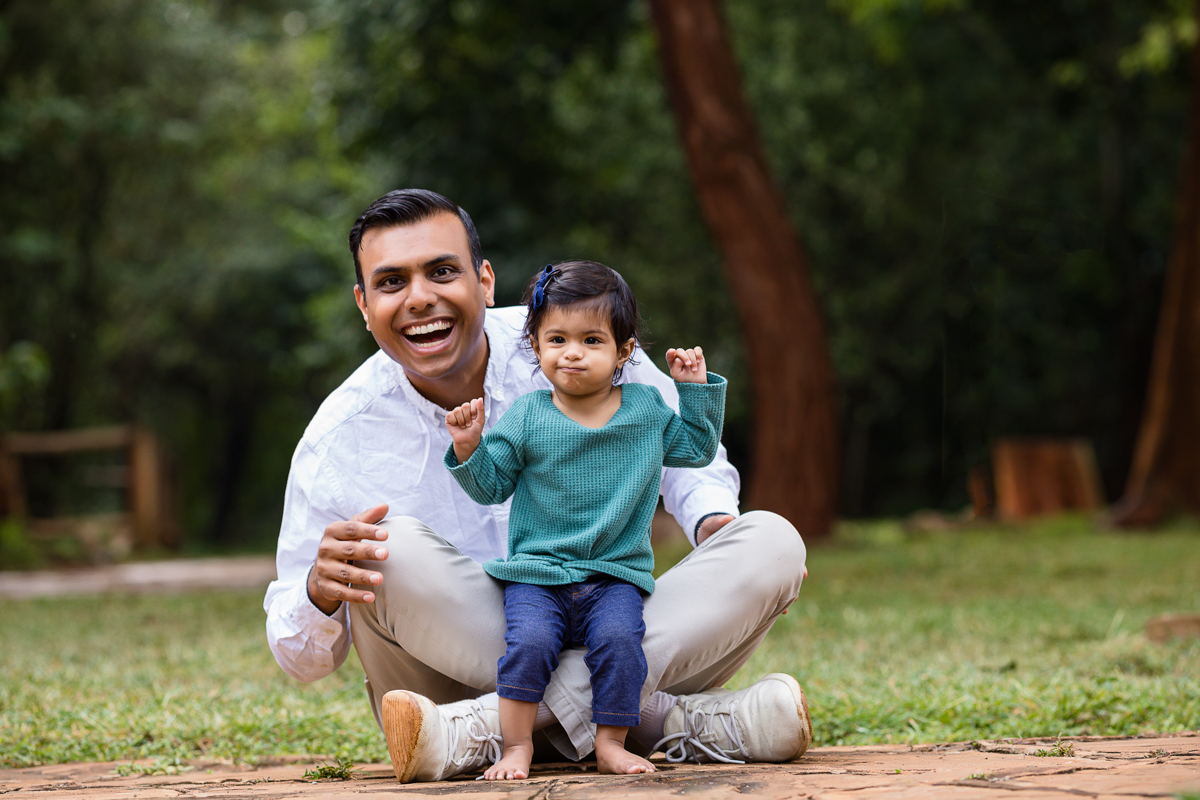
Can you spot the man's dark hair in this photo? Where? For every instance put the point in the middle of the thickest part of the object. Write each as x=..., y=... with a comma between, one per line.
x=406, y=207
x=590, y=286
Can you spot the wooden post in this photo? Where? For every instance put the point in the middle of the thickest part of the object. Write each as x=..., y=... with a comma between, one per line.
x=145, y=488
x=12, y=494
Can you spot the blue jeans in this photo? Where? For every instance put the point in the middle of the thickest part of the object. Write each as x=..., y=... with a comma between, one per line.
x=603, y=614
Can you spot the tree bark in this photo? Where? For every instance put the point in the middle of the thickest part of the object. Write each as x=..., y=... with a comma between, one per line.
x=1165, y=474
x=795, y=458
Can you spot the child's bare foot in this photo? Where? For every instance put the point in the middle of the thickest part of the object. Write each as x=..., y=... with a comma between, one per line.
x=614, y=759
x=512, y=766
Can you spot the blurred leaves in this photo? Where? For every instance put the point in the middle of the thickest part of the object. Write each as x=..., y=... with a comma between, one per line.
x=169, y=167
x=985, y=189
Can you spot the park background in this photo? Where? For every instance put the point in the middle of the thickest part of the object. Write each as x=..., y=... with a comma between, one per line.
x=986, y=199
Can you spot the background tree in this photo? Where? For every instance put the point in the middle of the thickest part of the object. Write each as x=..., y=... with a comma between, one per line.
x=1165, y=475
x=794, y=469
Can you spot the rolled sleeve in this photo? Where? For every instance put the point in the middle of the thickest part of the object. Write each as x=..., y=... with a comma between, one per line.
x=306, y=643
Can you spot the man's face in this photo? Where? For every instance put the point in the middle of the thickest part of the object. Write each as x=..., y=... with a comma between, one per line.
x=424, y=304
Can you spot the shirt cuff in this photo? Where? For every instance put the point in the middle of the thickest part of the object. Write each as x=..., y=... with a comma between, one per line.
x=704, y=501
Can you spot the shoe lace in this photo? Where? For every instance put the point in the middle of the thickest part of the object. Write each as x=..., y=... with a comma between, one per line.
x=483, y=747
x=698, y=739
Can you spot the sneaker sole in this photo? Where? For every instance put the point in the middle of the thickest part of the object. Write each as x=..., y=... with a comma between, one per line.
x=801, y=709
x=402, y=718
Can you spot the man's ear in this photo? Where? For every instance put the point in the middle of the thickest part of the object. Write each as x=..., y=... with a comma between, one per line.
x=360, y=299
x=488, y=278
x=626, y=352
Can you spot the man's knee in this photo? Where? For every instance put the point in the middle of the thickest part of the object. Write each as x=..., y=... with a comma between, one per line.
x=777, y=536
x=776, y=551
x=417, y=558
x=410, y=545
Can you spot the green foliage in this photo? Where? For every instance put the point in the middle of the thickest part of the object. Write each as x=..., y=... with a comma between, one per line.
x=160, y=766
x=174, y=190
x=959, y=636
x=985, y=190
x=1059, y=749
x=342, y=770
x=16, y=551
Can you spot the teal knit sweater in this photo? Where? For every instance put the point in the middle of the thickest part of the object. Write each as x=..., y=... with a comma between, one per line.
x=583, y=498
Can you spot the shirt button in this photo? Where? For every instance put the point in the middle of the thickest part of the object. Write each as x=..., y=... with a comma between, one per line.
x=330, y=631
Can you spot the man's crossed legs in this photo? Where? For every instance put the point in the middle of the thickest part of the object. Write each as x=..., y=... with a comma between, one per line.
x=437, y=628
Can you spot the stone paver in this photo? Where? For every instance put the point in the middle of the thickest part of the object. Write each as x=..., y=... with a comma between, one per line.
x=1108, y=769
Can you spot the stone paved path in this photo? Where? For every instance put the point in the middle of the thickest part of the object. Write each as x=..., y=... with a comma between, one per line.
x=1158, y=766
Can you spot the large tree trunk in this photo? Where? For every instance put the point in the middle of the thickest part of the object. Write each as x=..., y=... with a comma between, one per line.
x=1165, y=474
x=795, y=447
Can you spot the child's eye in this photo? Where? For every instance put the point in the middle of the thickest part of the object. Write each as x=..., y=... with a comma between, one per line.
x=591, y=340
x=557, y=340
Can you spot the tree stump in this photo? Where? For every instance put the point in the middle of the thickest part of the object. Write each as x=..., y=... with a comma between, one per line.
x=1045, y=476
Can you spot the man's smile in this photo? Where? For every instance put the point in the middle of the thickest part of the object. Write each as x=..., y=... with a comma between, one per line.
x=428, y=334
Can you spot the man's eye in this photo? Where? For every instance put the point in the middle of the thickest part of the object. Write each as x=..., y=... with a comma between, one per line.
x=390, y=282
x=443, y=272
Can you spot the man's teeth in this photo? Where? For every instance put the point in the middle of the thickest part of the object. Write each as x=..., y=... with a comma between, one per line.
x=441, y=325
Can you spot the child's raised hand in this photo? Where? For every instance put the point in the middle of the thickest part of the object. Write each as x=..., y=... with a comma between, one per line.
x=687, y=366
x=465, y=424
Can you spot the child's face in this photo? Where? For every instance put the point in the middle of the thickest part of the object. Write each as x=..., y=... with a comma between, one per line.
x=577, y=351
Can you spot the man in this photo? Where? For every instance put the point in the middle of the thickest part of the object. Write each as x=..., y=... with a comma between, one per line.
x=404, y=574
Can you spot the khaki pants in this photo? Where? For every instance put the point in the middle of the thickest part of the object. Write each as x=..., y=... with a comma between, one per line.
x=437, y=624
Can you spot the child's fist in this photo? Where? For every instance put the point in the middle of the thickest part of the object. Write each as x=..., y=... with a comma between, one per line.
x=687, y=366
x=465, y=424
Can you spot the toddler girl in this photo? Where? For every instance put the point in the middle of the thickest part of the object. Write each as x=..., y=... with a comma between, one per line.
x=583, y=462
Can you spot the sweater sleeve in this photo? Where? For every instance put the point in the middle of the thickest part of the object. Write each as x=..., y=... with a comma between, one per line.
x=490, y=474
x=690, y=438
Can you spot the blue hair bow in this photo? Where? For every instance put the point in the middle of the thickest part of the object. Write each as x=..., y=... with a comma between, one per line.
x=539, y=288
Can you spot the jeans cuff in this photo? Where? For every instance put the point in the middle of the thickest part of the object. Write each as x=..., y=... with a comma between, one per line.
x=517, y=693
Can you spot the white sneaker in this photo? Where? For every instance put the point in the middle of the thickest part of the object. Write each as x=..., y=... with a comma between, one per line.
x=764, y=722
x=429, y=742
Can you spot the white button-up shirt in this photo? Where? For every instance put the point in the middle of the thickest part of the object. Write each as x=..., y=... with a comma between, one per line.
x=377, y=440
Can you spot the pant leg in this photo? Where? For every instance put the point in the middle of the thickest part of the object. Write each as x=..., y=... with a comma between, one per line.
x=613, y=629
x=706, y=617
x=437, y=624
x=536, y=623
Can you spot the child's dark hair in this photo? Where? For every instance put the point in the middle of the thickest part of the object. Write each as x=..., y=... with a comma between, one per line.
x=591, y=286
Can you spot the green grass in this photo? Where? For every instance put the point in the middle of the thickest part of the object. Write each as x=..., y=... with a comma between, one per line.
x=897, y=637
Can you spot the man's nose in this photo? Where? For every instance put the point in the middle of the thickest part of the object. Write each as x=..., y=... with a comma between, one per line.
x=421, y=294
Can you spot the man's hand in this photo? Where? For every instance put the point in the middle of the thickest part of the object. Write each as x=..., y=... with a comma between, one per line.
x=687, y=366
x=465, y=424
x=342, y=544
x=711, y=526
